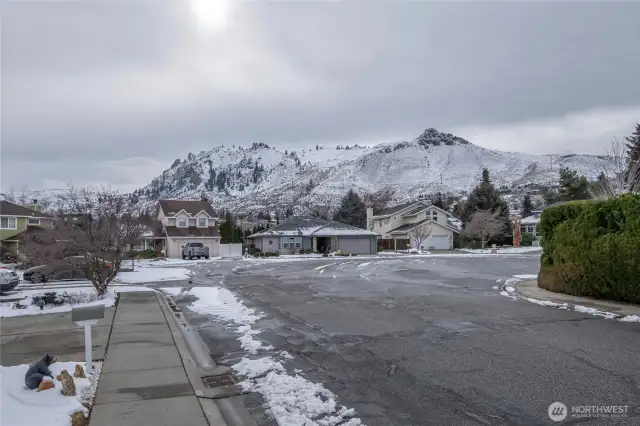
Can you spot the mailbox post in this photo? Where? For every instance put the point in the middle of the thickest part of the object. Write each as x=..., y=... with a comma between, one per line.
x=86, y=317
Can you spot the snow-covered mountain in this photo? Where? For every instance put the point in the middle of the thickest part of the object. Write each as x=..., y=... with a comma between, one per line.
x=250, y=179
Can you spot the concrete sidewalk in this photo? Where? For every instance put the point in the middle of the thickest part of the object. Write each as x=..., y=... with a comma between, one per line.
x=530, y=289
x=143, y=380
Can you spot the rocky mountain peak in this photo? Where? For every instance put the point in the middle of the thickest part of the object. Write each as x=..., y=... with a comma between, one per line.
x=433, y=137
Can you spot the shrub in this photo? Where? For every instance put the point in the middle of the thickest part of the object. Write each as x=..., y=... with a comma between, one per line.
x=527, y=239
x=592, y=248
x=325, y=255
x=253, y=250
x=308, y=251
x=267, y=254
x=9, y=258
x=143, y=254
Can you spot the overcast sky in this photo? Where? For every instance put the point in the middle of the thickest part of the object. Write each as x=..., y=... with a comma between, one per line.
x=97, y=92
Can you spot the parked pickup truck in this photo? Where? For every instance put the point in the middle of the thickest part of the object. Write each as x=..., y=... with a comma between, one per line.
x=192, y=250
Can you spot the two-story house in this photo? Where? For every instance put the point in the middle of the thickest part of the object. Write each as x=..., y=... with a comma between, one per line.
x=17, y=221
x=180, y=222
x=396, y=225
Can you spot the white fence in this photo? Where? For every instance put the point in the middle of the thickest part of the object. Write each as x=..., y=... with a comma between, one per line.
x=231, y=250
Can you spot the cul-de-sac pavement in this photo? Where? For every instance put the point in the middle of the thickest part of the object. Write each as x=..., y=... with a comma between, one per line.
x=426, y=340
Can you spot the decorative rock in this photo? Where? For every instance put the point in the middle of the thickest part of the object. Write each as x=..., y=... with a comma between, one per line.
x=78, y=419
x=68, y=386
x=78, y=372
x=45, y=384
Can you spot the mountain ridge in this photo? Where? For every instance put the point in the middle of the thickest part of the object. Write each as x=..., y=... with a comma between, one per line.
x=262, y=177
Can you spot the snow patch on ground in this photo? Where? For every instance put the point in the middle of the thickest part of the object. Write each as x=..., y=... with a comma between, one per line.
x=85, y=296
x=292, y=400
x=24, y=407
x=153, y=274
x=509, y=291
x=506, y=250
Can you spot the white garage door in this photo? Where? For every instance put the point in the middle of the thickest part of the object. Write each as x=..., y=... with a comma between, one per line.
x=438, y=242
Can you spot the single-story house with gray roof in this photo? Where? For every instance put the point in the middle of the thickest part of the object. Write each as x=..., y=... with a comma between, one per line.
x=321, y=236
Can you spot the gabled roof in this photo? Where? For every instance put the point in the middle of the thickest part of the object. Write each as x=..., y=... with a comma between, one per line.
x=409, y=226
x=300, y=226
x=192, y=231
x=335, y=228
x=294, y=226
x=192, y=208
x=12, y=209
x=399, y=208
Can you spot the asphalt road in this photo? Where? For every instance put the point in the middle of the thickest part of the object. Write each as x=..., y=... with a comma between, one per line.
x=430, y=341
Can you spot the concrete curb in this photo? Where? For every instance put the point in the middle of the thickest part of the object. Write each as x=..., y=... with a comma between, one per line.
x=197, y=363
x=529, y=291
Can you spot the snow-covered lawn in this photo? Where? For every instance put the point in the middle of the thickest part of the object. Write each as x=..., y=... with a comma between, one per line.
x=505, y=250
x=143, y=274
x=170, y=262
x=79, y=296
x=509, y=290
x=23, y=407
x=292, y=399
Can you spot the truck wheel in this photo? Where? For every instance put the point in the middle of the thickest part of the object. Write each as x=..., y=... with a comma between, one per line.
x=184, y=257
x=190, y=257
x=206, y=257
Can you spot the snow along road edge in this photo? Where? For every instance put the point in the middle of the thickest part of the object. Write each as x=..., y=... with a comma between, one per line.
x=510, y=289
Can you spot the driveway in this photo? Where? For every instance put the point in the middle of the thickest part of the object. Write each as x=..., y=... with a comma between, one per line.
x=430, y=341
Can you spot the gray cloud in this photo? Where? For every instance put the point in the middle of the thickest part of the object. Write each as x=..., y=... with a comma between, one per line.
x=90, y=89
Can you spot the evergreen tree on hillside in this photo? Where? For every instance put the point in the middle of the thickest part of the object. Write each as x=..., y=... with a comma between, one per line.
x=633, y=152
x=573, y=186
x=485, y=197
x=438, y=202
x=485, y=176
x=527, y=206
x=352, y=210
x=228, y=233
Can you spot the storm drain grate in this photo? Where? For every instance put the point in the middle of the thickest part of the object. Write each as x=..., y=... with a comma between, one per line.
x=219, y=380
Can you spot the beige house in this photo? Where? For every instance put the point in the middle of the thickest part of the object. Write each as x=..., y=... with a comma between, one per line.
x=181, y=222
x=397, y=226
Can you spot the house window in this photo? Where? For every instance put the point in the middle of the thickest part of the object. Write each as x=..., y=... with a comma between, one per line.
x=202, y=222
x=8, y=223
x=34, y=221
x=182, y=222
x=434, y=215
x=291, y=242
x=172, y=221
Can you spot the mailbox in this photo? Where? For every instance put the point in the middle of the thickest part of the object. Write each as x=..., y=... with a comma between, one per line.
x=87, y=316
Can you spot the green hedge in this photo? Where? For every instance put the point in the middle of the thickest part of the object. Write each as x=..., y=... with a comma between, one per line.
x=267, y=254
x=592, y=248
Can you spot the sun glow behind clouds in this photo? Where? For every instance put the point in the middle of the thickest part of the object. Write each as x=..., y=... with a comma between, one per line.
x=211, y=15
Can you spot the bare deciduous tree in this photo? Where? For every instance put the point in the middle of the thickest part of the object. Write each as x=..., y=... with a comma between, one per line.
x=620, y=176
x=378, y=200
x=93, y=230
x=485, y=225
x=420, y=233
